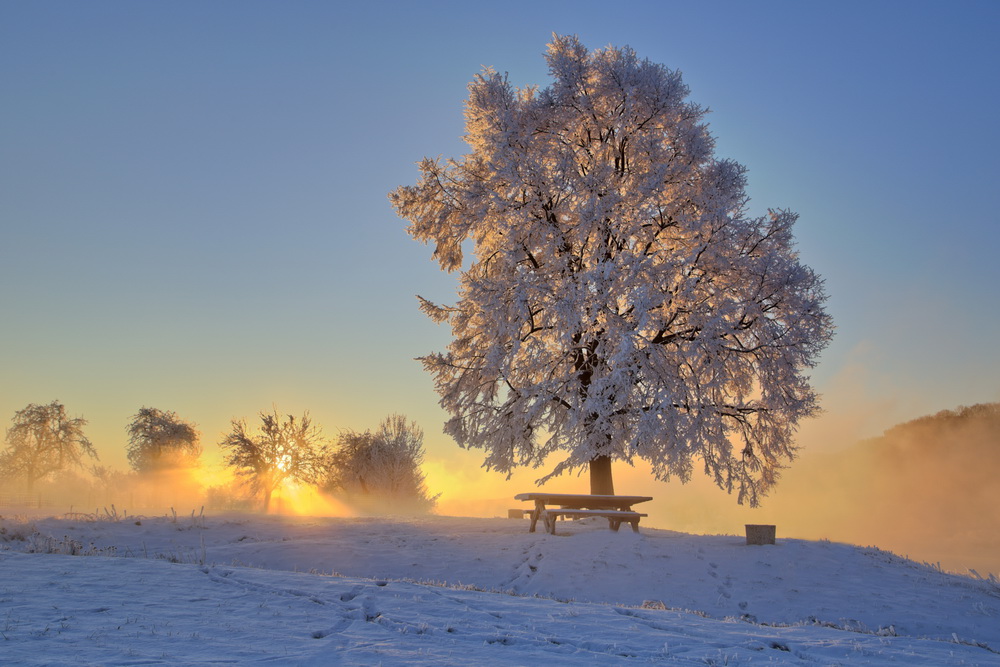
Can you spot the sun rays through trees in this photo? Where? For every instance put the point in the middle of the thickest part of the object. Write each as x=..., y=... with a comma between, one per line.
x=282, y=449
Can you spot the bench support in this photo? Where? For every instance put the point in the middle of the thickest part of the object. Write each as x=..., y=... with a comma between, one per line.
x=615, y=518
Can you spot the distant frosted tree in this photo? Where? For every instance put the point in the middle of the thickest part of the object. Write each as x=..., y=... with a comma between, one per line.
x=281, y=450
x=382, y=468
x=43, y=440
x=621, y=303
x=160, y=440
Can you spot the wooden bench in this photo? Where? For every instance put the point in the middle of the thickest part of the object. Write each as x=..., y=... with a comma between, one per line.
x=615, y=518
x=616, y=509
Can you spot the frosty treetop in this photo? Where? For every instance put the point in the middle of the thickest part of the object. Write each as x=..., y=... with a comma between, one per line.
x=621, y=303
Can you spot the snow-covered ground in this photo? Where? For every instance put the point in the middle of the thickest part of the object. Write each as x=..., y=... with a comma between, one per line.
x=459, y=591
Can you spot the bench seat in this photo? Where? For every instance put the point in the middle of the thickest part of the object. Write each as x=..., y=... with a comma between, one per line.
x=615, y=517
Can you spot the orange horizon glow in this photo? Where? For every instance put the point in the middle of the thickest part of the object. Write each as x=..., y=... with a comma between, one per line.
x=294, y=499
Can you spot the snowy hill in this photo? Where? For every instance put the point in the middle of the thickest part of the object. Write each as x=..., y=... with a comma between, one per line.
x=441, y=590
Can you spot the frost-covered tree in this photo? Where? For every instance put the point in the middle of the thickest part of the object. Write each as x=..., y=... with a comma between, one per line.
x=160, y=440
x=382, y=468
x=621, y=304
x=43, y=440
x=281, y=450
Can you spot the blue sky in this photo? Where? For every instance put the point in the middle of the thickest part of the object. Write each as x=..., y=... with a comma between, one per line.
x=194, y=216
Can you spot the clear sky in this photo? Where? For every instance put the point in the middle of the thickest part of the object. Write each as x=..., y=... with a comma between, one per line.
x=194, y=216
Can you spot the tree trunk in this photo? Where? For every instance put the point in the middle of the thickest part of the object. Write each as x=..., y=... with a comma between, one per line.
x=601, y=483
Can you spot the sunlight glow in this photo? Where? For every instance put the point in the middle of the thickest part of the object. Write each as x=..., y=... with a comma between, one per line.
x=212, y=475
x=293, y=499
x=284, y=462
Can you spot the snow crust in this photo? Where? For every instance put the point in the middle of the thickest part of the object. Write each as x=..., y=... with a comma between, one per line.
x=449, y=591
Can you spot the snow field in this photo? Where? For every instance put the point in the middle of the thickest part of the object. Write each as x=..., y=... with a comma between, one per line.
x=447, y=591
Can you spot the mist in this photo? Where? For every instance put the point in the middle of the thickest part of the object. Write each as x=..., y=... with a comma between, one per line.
x=928, y=489
x=104, y=490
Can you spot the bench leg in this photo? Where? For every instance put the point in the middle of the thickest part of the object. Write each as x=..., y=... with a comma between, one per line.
x=550, y=523
x=635, y=526
x=614, y=524
x=534, y=520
